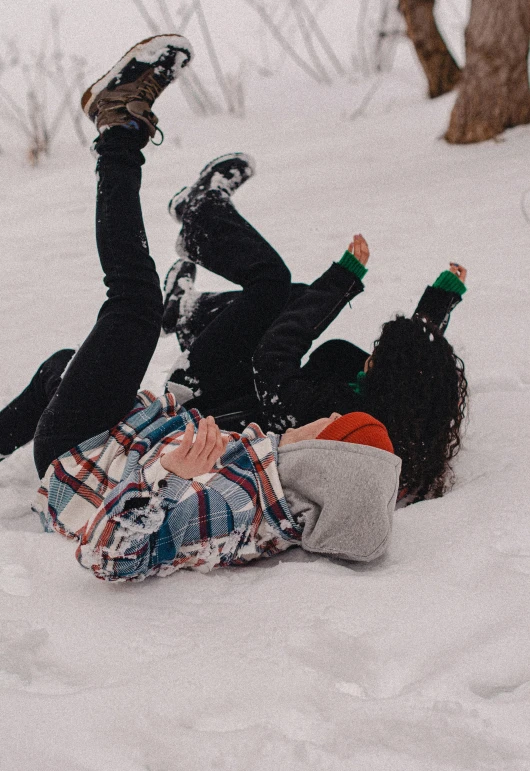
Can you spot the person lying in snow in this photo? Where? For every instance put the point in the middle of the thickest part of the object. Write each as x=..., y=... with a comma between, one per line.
x=146, y=486
x=243, y=349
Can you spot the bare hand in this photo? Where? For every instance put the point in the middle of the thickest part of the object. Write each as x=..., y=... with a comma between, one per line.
x=459, y=271
x=191, y=459
x=359, y=248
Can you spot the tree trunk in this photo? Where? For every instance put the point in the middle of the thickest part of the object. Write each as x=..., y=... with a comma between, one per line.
x=494, y=92
x=438, y=64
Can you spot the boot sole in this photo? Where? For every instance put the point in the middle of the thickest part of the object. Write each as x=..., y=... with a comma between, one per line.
x=171, y=276
x=251, y=163
x=182, y=195
x=151, y=47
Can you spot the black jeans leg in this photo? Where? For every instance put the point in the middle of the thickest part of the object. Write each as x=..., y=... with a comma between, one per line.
x=19, y=420
x=102, y=381
x=191, y=322
x=216, y=236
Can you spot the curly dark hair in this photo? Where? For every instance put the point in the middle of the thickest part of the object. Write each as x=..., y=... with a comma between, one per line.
x=416, y=386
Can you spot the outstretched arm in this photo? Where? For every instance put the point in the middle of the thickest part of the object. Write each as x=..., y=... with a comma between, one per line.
x=440, y=299
x=281, y=387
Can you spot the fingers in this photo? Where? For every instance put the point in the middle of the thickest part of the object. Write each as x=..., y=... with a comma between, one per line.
x=359, y=248
x=459, y=271
x=204, y=439
x=209, y=444
x=201, y=438
x=218, y=446
x=181, y=452
x=187, y=440
x=198, y=451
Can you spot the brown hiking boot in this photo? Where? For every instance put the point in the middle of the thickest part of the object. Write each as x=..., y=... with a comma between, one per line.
x=127, y=92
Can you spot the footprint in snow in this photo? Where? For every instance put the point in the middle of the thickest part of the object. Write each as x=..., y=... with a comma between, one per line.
x=14, y=580
x=510, y=691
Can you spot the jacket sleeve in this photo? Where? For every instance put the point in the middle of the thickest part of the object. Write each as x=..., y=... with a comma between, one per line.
x=284, y=392
x=436, y=306
x=122, y=539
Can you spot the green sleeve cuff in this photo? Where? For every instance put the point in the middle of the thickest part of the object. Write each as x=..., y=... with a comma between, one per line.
x=352, y=264
x=450, y=283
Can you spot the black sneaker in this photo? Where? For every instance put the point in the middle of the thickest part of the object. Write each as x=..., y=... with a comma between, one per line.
x=179, y=281
x=226, y=173
x=127, y=92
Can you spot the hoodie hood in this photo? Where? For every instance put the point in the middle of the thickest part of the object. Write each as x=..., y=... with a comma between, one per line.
x=343, y=494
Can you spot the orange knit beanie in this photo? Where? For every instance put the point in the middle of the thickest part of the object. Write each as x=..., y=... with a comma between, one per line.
x=358, y=428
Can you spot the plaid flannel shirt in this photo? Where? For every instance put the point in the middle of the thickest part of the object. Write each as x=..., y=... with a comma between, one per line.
x=134, y=519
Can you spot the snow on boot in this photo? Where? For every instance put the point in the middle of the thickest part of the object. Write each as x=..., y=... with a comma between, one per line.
x=196, y=310
x=178, y=286
x=127, y=92
x=226, y=173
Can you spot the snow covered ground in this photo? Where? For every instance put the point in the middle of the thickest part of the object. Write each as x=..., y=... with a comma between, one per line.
x=420, y=662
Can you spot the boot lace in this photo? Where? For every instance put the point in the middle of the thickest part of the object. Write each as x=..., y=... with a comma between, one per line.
x=149, y=90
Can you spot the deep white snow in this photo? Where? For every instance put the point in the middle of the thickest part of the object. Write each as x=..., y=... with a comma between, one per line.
x=418, y=663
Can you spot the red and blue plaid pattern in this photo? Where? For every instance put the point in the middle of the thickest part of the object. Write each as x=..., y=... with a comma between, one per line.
x=133, y=519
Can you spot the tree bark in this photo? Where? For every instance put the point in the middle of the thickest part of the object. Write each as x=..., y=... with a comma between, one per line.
x=438, y=64
x=494, y=93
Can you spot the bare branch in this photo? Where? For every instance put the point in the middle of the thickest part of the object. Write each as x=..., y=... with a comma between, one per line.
x=58, y=55
x=18, y=111
x=59, y=116
x=391, y=29
x=192, y=98
x=213, y=56
x=367, y=98
x=284, y=43
x=322, y=39
x=524, y=208
x=306, y=37
x=17, y=116
x=186, y=17
x=238, y=91
x=210, y=103
x=361, y=33
x=164, y=11
x=146, y=16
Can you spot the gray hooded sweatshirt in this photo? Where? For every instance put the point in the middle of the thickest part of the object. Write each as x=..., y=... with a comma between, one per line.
x=344, y=495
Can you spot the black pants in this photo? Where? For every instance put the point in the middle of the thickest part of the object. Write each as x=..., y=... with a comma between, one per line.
x=216, y=236
x=225, y=329
x=19, y=420
x=101, y=382
x=100, y=385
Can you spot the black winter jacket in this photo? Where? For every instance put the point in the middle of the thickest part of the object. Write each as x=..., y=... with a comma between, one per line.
x=288, y=394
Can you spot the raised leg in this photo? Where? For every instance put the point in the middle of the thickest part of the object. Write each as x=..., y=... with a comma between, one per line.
x=216, y=236
x=101, y=383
